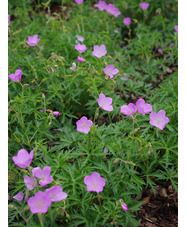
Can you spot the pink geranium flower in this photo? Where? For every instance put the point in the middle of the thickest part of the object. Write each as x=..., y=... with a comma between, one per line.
x=43, y=175
x=94, y=182
x=56, y=113
x=80, y=59
x=101, y=5
x=111, y=9
x=124, y=206
x=73, y=67
x=110, y=70
x=33, y=40
x=83, y=125
x=39, y=203
x=176, y=28
x=128, y=110
x=19, y=196
x=56, y=194
x=30, y=182
x=17, y=76
x=144, y=5
x=127, y=21
x=78, y=1
x=23, y=158
x=8, y=19
x=80, y=38
x=80, y=48
x=142, y=107
x=159, y=119
x=99, y=51
x=105, y=102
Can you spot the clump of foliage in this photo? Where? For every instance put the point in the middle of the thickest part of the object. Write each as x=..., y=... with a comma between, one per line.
x=52, y=91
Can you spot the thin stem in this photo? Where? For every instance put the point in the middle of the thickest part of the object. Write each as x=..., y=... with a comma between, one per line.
x=82, y=18
x=109, y=118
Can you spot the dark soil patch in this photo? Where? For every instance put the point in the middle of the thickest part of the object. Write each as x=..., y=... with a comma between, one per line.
x=160, y=210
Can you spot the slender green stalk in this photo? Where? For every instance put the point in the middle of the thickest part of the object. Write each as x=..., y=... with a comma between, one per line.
x=109, y=118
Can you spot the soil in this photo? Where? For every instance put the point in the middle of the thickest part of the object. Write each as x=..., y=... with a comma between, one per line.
x=160, y=210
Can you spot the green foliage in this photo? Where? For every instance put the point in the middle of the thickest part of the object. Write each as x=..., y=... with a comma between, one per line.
x=139, y=155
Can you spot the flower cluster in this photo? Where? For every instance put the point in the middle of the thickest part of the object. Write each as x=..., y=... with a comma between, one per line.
x=156, y=119
x=110, y=8
x=41, y=201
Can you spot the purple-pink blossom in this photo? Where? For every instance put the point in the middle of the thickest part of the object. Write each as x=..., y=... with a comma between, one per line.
x=8, y=19
x=43, y=175
x=142, y=107
x=99, y=51
x=105, y=102
x=176, y=28
x=78, y=1
x=17, y=76
x=19, y=196
x=111, y=9
x=80, y=38
x=56, y=194
x=80, y=59
x=110, y=71
x=94, y=182
x=144, y=5
x=128, y=110
x=23, y=158
x=127, y=21
x=33, y=40
x=56, y=113
x=39, y=203
x=30, y=182
x=101, y=5
x=80, y=47
x=159, y=119
x=124, y=206
x=83, y=125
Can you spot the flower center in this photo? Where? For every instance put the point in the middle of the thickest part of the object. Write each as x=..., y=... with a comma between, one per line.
x=84, y=125
x=39, y=205
x=94, y=185
x=158, y=122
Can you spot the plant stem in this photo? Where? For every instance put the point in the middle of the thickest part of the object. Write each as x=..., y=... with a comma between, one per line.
x=109, y=118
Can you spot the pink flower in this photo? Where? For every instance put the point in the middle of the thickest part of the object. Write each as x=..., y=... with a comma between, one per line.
x=23, y=158
x=124, y=206
x=39, y=203
x=101, y=5
x=33, y=40
x=116, y=12
x=73, y=67
x=99, y=51
x=30, y=182
x=78, y=1
x=80, y=48
x=110, y=70
x=51, y=69
x=56, y=113
x=17, y=76
x=56, y=194
x=158, y=119
x=80, y=59
x=83, y=125
x=43, y=175
x=144, y=5
x=176, y=28
x=112, y=10
x=19, y=196
x=94, y=182
x=105, y=102
x=142, y=107
x=80, y=38
x=8, y=19
x=128, y=110
x=127, y=21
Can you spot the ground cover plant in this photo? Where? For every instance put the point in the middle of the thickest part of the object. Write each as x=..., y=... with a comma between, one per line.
x=93, y=110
